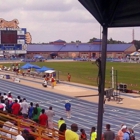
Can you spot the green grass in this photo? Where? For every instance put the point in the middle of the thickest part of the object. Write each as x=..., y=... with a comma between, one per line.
x=86, y=72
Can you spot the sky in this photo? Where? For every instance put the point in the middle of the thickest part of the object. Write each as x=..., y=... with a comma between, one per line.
x=50, y=20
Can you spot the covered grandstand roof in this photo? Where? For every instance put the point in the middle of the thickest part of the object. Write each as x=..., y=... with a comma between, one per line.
x=76, y=47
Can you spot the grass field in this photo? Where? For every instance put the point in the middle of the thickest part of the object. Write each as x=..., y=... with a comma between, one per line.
x=86, y=72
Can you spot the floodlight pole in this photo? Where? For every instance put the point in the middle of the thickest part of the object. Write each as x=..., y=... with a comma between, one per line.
x=102, y=83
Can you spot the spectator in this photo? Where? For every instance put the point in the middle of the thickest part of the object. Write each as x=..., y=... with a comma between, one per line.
x=126, y=132
x=120, y=133
x=71, y=134
x=5, y=96
x=3, y=104
x=69, y=77
x=18, y=98
x=24, y=108
x=30, y=111
x=15, y=108
x=9, y=94
x=62, y=131
x=50, y=113
x=52, y=82
x=60, y=122
x=132, y=134
x=93, y=133
x=68, y=109
x=36, y=113
x=30, y=137
x=83, y=135
x=43, y=119
x=24, y=136
x=108, y=134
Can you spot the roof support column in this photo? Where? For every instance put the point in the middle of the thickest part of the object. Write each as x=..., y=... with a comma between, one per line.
x=102, y=70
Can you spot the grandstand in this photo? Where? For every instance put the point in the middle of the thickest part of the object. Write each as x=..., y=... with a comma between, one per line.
x=71, y=50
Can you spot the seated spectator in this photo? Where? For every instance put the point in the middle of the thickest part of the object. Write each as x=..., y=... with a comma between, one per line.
x=108, y=134
x=60, y=122
x=62, y=131
x=43, y=119
x=71, y=134
x=23, y=136
x=6, y=126
x=83, y=135
x=93, y=133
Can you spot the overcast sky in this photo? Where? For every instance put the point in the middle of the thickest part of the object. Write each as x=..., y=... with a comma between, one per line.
x=49, y=20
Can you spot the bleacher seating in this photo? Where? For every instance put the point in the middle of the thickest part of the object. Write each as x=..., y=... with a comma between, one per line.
x=40, y=131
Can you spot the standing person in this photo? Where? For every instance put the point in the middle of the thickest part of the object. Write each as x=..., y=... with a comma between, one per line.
x=71, y=134
x=83, y=135
x=9, y=94
x=68, y=109
x=43, y=118
x=60, y=122
x=126, y=132
x=15, y=108
x=93, y=133
x=69, y=77
x=120, y=133
x=52, y=82
x=108, y=134
x=36, y=113
x=50, y=113
x=62, y=131
x=132, y=134
x=24, y=108
x=30, y=111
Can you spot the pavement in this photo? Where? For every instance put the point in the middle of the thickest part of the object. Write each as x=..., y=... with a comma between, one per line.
x=84, y=109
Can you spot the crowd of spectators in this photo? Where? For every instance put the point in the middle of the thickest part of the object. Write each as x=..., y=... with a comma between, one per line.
x=20, y=107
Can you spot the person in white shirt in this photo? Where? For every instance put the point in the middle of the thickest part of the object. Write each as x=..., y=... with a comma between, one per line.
x=3, y=104
x=24, y=108
x=24, y=136
x=50, y=113
x=5, y=96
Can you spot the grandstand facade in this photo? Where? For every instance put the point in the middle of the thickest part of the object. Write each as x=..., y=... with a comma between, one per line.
x=71, y=50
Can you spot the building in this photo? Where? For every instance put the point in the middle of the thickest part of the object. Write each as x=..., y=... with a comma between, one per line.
x=71, y=50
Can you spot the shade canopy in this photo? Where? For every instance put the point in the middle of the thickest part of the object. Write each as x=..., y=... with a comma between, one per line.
x=43, y=69
x=135, y=54
x=114, y=13
x=49, y=71
x=38, y=56
x=29, y=66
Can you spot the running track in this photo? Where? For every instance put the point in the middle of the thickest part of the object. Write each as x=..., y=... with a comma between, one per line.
x=84, y=113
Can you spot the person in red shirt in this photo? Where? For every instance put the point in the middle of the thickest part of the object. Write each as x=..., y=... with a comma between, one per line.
x=43, y=119
x=9, y=94
x=16, y=108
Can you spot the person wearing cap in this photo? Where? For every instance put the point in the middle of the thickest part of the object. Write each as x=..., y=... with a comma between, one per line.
x=68, y=109
x=120, y=133
x=71, y=134
x=126, y=135
x=60, y=122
